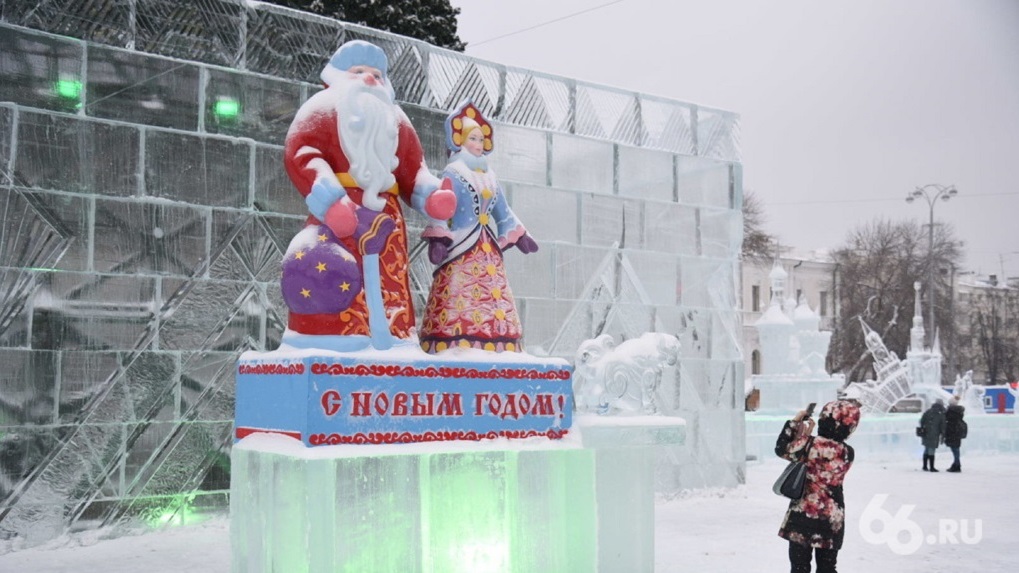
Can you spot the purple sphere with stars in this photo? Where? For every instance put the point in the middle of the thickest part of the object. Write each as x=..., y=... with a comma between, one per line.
x=319, y=275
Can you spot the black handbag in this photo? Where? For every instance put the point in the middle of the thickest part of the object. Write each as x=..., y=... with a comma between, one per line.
x=919, y=431
x=790, y=482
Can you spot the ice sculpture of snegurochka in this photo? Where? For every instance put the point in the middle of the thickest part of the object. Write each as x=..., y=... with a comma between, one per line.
x=350, y=374
x=470, y=304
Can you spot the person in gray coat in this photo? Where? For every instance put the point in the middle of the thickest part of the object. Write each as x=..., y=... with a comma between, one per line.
x=932, y=432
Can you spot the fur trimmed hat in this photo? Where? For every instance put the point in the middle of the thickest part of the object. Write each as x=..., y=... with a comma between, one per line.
x=355, y=53
x=838, y=420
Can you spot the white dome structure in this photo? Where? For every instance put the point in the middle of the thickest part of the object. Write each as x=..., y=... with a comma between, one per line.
x=793, y=352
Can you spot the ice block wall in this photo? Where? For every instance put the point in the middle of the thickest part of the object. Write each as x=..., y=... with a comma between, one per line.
x=144, y=211
x=892, y=437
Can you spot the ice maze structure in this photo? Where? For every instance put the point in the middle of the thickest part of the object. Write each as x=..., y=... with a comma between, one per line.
x=144, y=212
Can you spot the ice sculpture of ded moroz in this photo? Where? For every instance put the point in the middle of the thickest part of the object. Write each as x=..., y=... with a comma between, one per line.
x=353, y=154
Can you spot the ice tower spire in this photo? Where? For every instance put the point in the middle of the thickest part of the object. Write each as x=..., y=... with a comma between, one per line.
x=917, y=333
x=777, y=276
x=775, y=328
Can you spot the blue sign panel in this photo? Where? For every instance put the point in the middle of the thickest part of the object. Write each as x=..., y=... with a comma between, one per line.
x=355, y=399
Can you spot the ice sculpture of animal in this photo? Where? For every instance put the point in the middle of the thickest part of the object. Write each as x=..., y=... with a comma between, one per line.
x=971, y=396
x=624, y=379
x=963, y=383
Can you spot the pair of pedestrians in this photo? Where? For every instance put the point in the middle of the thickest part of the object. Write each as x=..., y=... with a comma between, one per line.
x=940, y=426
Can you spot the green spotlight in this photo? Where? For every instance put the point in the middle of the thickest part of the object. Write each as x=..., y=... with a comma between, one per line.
x=70, y=89
x=226, y=108
x=173, y=511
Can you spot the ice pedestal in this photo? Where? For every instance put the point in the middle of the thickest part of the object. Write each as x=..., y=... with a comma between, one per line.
x=578, y=505
x=625, y=486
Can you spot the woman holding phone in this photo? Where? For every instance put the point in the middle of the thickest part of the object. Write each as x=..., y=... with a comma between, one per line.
x=814, y=525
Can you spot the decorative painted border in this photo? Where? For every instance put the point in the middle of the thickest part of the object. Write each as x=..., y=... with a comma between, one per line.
x=405, y=437
x=437, y=372
x=271, y=368
x=404, y=370
x=440, y=436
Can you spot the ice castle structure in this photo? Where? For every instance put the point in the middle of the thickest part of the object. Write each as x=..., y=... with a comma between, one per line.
x=919, y=375
x=793, y=351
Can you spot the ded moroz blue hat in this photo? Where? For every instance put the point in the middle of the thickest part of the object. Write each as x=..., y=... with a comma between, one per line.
x=355, y=53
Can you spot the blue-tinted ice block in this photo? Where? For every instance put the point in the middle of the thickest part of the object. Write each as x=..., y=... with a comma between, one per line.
x=448, y=507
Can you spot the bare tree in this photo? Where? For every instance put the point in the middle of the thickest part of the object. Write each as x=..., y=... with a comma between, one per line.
x=877, y=267
x=992, y=315
x=758, y=246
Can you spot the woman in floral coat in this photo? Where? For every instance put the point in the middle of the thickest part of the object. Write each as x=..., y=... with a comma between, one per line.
x=815, y=523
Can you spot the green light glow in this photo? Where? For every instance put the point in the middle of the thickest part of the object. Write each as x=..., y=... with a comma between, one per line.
x=482, y=555
x=70, y=89
x=175, y=510
x=469, y=531
x=226, y=107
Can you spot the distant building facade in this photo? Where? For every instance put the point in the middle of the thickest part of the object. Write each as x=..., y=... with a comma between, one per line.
x=986, y=311
x=987, y=328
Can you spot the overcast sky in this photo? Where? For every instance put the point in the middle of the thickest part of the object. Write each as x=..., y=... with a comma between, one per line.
x=846, y=105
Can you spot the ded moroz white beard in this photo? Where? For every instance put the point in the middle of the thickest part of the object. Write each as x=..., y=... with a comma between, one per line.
x=368, y=136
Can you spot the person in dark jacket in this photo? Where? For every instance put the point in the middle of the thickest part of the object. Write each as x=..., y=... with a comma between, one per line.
x=932, y=432
x=815, y=523
x=955, y=431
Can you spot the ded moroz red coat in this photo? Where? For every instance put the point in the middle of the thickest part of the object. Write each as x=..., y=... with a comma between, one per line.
x=315, y=134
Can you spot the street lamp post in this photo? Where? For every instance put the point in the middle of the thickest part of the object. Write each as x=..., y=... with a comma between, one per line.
x=931, y=192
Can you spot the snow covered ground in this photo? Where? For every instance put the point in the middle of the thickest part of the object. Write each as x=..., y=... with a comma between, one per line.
x=736, y=530
x=730, y=530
